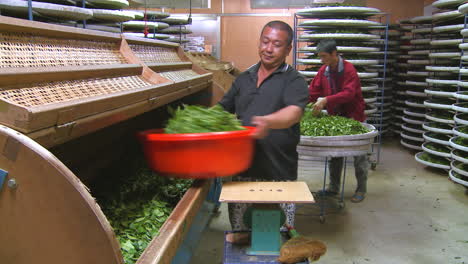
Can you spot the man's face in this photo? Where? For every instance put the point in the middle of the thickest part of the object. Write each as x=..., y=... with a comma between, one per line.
x=273, y=47
x=328, y=58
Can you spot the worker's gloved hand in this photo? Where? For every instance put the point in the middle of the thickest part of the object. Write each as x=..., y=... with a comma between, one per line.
x=319, y=105
x=262, y=125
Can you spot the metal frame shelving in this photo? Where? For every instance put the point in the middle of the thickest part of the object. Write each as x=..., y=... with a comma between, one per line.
x=381, y=102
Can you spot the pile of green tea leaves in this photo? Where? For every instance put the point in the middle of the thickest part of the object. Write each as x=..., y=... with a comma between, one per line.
x=437, y=147
x=461, y=141
x=460, y=153
x=137, y=202
x=199, y=119
x=338, y=30
x=441, y=115
x=439, y=125
x=438, y=136
x=462, y=166
x=434, y=159
x=463, y=129
x=337, y=4
x=327, y=125
x=459, y=176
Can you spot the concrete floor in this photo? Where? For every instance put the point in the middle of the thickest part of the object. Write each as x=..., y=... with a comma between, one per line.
x=412, y=214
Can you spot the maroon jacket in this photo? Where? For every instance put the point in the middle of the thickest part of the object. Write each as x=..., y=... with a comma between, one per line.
x=348, y=97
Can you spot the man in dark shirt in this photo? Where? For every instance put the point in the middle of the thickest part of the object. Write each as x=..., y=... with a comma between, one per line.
x=270, y=95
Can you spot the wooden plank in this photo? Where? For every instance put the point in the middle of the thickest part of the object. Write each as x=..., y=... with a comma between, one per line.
x=195, y=66
x=266, y=192
x=65, y=112
x=53, y=136
x=50, y=217
x=203, y=78
x=12, y=78
x=148, y=74
x=32, y=119
x=169, y=66
x=223, y=79
x=15, y=25
x=217, y=93
x=149, y=42
x=163, y=248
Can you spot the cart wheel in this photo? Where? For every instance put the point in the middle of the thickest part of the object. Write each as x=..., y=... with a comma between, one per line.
x=373, y=165
x=322, y=219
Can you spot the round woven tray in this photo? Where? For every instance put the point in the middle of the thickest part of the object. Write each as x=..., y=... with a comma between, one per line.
x=447, y=3
x=62, y=12
x=110, y=4
x=353, y=36
x=337, y=146
x=421, y=20
x=463, y=8
x=135, y=24
x=446, y=15
x=112, y=15
x=337, y=11
x=175, y=21
x=340, y=22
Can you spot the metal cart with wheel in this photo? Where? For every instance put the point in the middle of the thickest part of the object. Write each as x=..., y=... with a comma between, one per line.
x=336, y=146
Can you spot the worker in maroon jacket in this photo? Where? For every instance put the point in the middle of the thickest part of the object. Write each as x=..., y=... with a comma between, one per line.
x=337, y=89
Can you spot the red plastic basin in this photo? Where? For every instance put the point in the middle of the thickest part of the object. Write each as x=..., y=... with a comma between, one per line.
x=198, y=155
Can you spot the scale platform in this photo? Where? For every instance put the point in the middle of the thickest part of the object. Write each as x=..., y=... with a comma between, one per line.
x=265, y=220
x=266, y=192
x=235, y=254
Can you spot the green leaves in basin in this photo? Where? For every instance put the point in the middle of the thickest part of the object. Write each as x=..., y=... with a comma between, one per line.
x=199, y=119
x=325, y=125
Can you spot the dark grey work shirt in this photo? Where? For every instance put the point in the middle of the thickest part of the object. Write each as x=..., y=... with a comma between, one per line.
x=275, y=155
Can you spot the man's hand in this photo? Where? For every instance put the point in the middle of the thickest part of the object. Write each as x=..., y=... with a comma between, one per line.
x=319, y=105
x=262, y=125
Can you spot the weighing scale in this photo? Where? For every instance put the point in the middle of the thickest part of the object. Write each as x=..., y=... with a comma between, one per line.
x=265, y=217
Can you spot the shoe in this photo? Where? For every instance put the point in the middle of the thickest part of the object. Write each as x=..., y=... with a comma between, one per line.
x=240, y=238
x=326, y=192
x=358, y=197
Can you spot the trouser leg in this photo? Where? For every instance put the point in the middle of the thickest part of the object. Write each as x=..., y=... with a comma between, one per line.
x=236, y=213
x=361, y=169
x=290, y=212
x=236, y=210
x=335, y=168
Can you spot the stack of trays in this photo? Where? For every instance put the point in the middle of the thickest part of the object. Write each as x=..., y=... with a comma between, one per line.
x=103, y=15
x=351, y=29
x=459, y=141
x=177, y=30
x=441, y=87
x=137, y=26
x=413, y=83
x=390, y=41
x=45, y=11
x=400, y=76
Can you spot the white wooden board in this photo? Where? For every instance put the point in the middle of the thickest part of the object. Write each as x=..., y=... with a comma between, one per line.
x=266, y=192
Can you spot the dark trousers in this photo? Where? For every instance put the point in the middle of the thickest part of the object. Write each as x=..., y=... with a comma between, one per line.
x=361, y=167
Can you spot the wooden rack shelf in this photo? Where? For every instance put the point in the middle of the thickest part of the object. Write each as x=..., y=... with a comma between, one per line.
x=59, y=84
